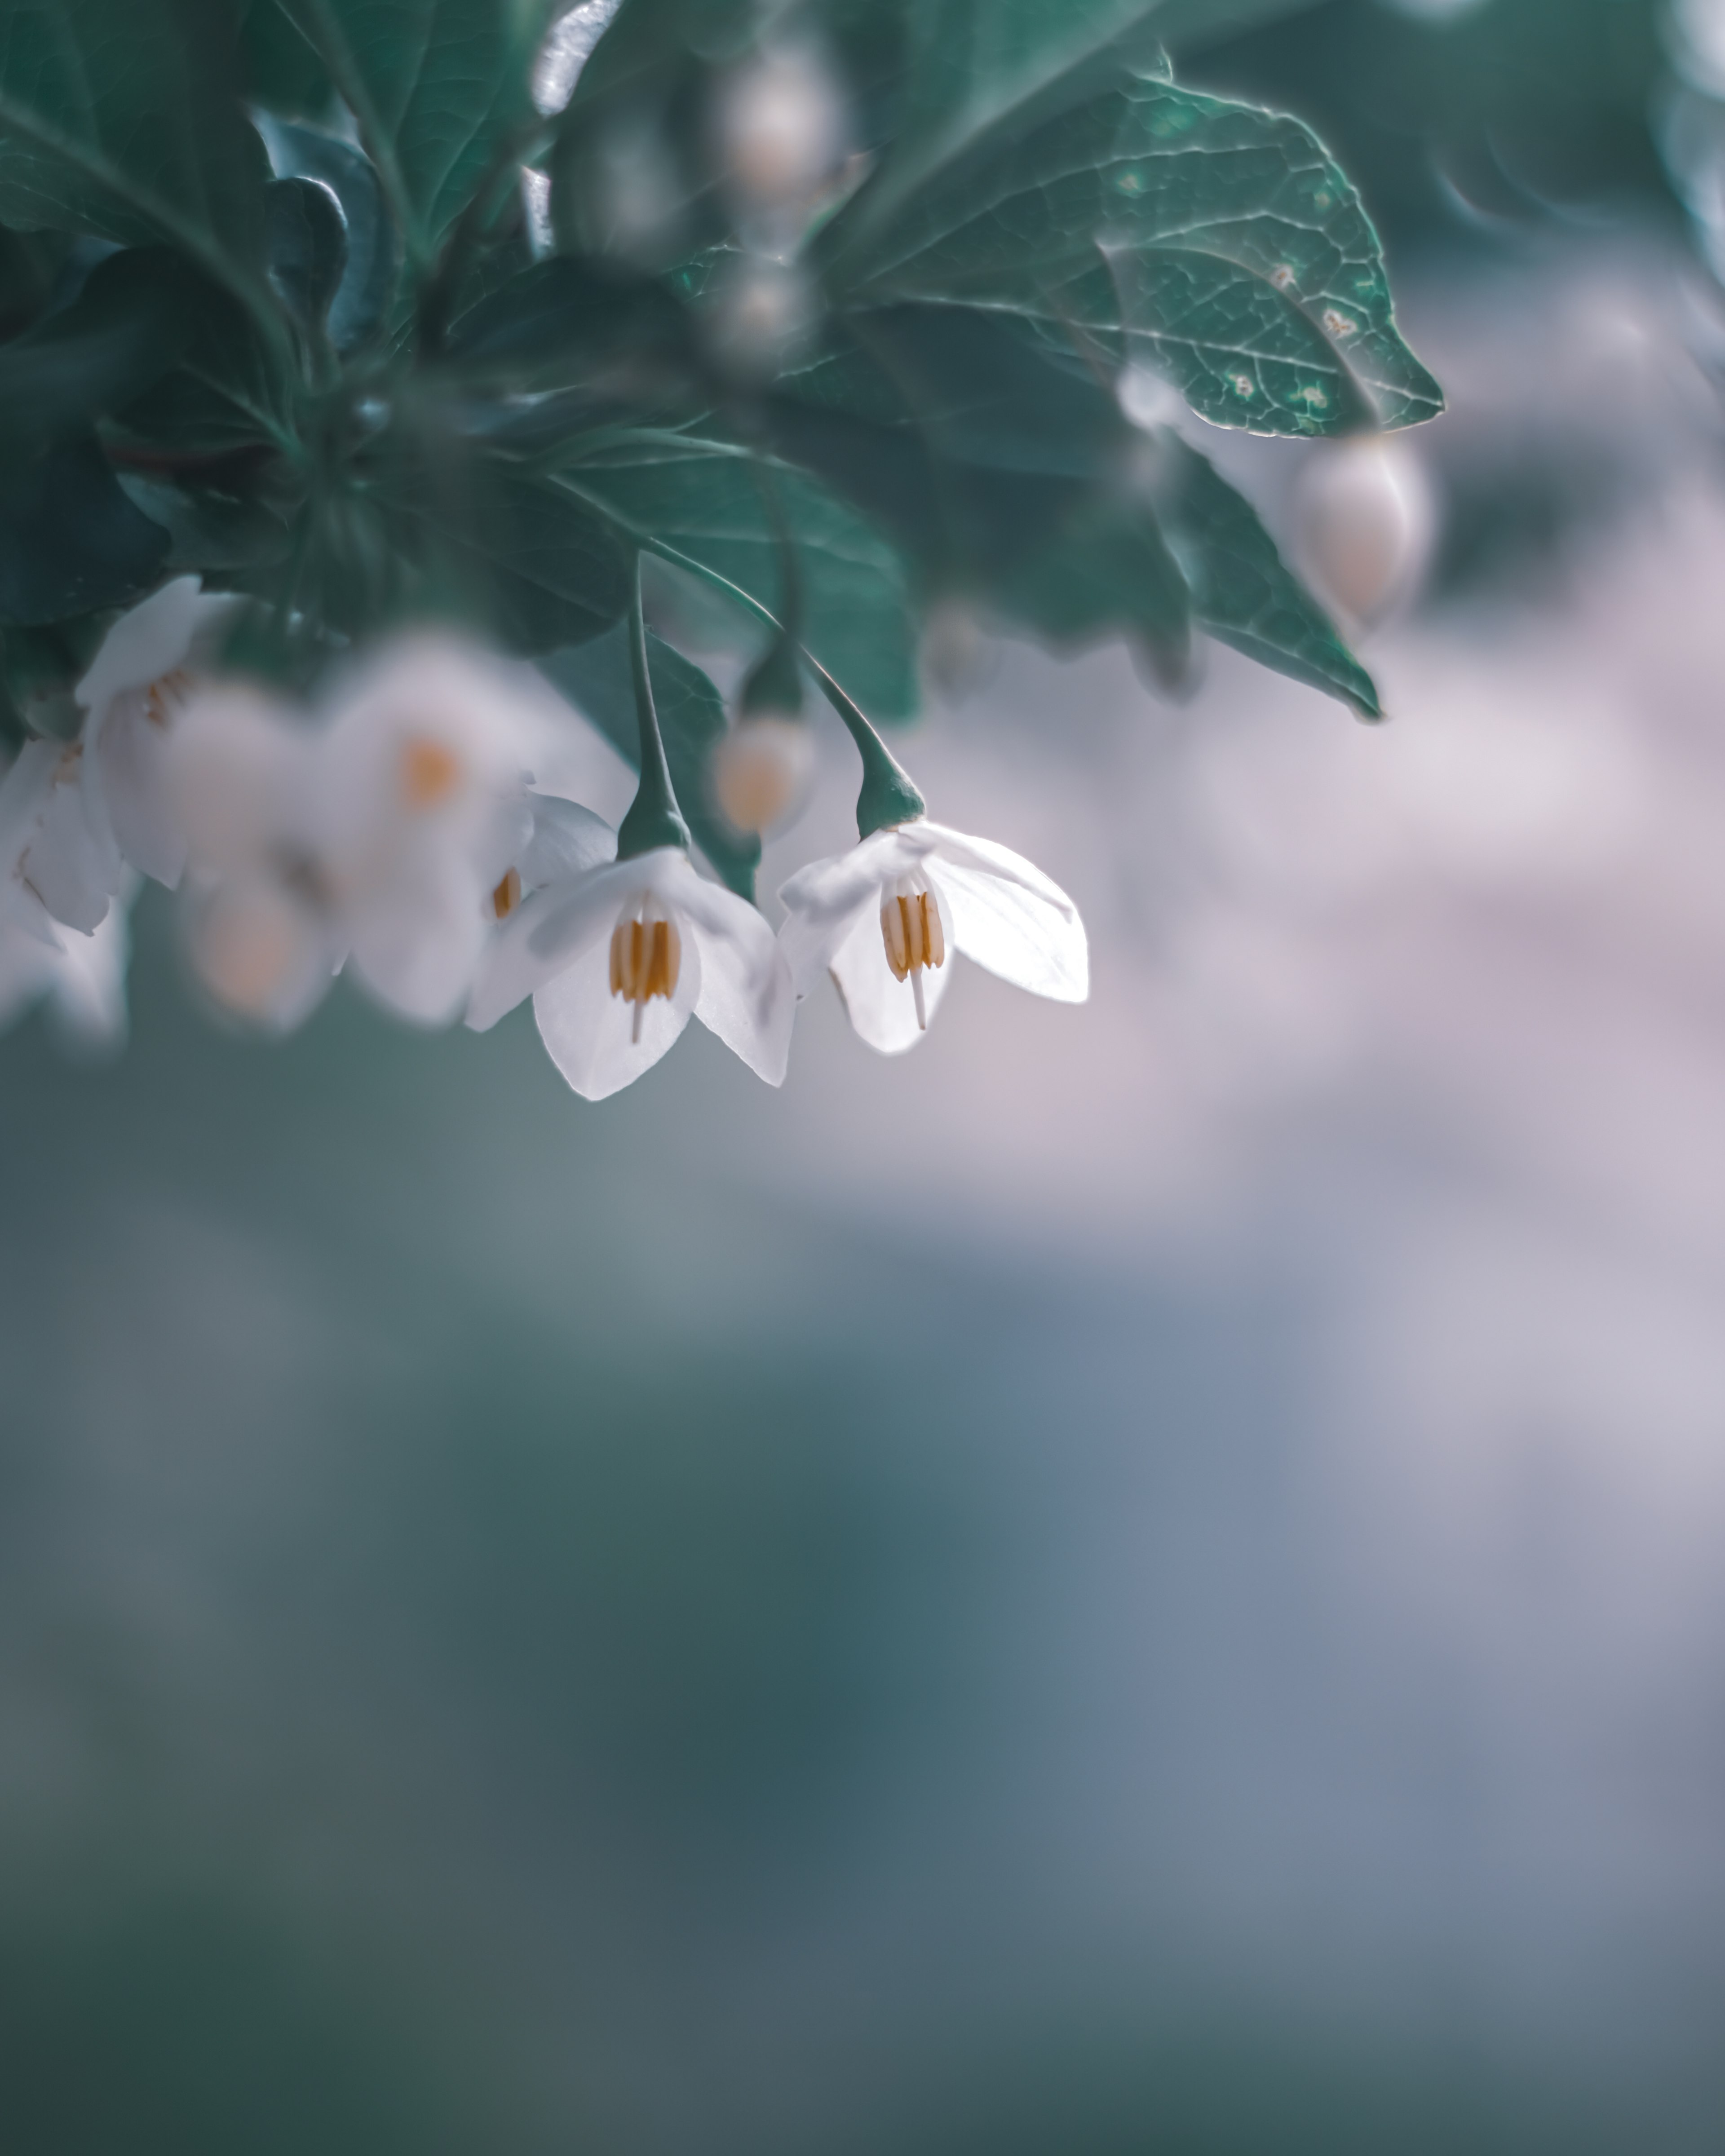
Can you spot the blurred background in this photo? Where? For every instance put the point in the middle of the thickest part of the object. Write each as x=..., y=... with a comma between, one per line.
x=1146, y=1578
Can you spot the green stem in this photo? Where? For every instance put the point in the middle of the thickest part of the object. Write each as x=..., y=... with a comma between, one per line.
x=653, y=818
x=889, y=794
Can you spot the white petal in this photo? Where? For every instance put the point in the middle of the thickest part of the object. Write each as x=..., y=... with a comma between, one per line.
x=87, y=986
x=567, y=840
x=239, y=772
x=883, y=1008
x=417, y=944
x=551, y=931
x=747, y=995
x=132, y=750
x=589, y=1032
x=152, y=639
x=824, y=901
x=1009, y=917
x=60, y=843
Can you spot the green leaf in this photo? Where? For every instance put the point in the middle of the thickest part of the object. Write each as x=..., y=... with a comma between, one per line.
x=540, y=569
x=125, y=330
x=228, y=392
x=574, y=321
x=1118, y=215
x=69, y=539
x=1010, y=477
x=437, y=87
x=279, y=70
x=595, y=677
x=124, y=120
x=210, y=529
x=1243, y=593
x=698, y=503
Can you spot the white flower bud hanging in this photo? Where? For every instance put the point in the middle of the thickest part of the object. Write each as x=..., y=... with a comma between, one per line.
x=762, y=770
x=780, y=128
x=1364, y=525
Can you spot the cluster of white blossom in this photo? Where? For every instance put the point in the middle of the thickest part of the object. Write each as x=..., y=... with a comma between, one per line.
x=396, y=831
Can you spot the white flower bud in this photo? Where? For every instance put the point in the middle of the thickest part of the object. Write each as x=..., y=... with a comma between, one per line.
x=1364, y=525
x=762, y=770
x=261, y=951
x=759, y=316
x=781, y=128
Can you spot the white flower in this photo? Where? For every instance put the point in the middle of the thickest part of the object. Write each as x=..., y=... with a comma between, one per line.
x=135, y=688
x=242, y=778
x=422, y=814
x=81, y=978
x=880, y=920
x=618, y=958
x=73, y=813
x=392, y=835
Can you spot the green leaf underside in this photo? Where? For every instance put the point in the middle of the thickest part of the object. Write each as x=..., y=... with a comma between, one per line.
x=1243, y=592
x=373, y=250
x=437, y=86
x=122, y=120
x=543, y=570
x=1218, y=244
x=700, y=501
x=71, y=541
x=1009, y=476
x=227, y=393
x=596, y=679
x=127, y=326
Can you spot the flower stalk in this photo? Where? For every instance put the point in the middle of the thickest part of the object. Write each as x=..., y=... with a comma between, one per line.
x=653, y=818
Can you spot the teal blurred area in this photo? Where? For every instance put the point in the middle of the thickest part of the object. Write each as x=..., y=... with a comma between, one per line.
x=1145, y=1578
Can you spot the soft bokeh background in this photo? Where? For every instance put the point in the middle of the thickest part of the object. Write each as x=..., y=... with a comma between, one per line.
x=1143, y=1578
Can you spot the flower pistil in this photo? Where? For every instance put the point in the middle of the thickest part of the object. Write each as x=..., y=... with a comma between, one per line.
x=910, y=929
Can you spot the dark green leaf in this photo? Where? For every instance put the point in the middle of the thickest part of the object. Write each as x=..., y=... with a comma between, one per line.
x=1218, y=244
x=595, y=677
x=539, y=567
x=306, y=239
x=700, y=502
x=438, y=87
x=279, y=70
x=215, y=532
x=123, y=120
x=125, y=329
x=1011, y=478
x=69, y=539
x=227, y=394
x=1243, y=593
x=30, y=266
x=571, y=321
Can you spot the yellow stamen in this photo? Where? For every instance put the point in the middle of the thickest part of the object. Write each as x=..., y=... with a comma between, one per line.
x=429, y=772
x=162, y=697
x=910, y=929
x=507, y=896
x=646, y=959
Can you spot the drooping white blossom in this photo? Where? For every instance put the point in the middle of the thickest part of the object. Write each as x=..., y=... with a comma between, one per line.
x=883, y=918
x=391, y=832
x=144, y=671
x=74, y=815
x=618, y=958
